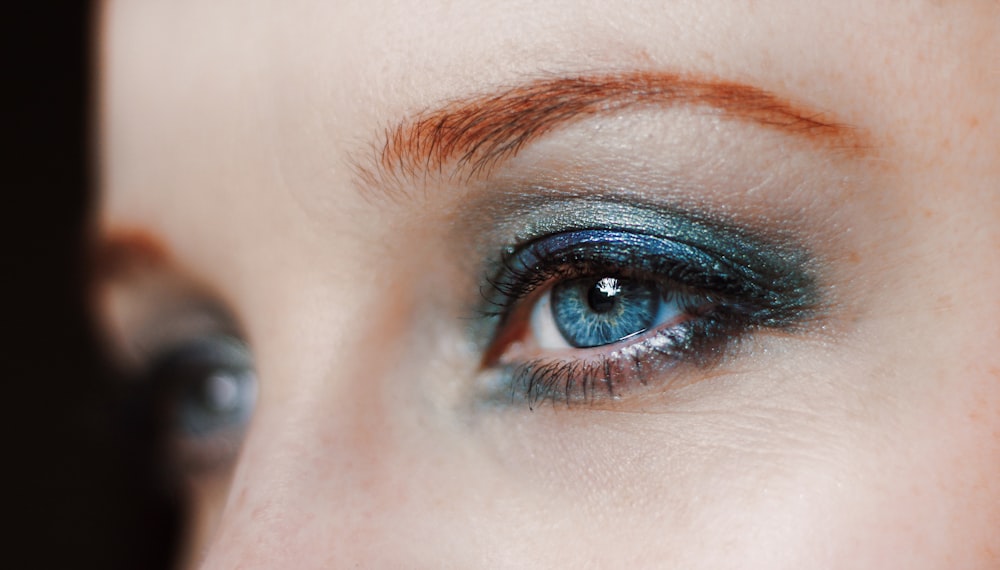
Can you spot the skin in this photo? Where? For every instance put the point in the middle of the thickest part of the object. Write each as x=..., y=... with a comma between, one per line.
x=232, y=135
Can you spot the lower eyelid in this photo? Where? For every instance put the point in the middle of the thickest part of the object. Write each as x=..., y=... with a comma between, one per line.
x=595, y=374
x=528, y=351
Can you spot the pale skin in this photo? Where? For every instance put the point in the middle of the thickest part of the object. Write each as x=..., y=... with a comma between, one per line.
x=240, y=137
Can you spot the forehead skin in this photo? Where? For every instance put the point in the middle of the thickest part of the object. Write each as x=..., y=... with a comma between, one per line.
x=231, y=131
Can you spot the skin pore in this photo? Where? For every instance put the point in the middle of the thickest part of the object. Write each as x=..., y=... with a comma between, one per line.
x=324, y=201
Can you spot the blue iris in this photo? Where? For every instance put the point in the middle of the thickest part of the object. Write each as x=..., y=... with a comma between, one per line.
x=595, y=311
x=211, y=384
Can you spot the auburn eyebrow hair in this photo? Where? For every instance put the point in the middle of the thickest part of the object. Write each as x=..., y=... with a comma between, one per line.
x=477, y=133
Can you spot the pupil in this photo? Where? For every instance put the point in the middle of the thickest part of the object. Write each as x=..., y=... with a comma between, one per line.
x=602, y=297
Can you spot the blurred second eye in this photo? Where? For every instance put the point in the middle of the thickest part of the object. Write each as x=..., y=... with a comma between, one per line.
x=208, y=390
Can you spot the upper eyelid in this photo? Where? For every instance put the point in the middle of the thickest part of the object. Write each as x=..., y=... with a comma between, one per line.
x=708, y=242
x=541, y=271
x=775, y=303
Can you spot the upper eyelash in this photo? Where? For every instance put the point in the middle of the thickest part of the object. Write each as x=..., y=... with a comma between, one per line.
x=523, y=282
x=777, y=295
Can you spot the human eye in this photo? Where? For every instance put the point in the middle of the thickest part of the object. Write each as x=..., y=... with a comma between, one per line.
x=201, y=392
x=188, y=379
x=205, y=392
x=600, y=314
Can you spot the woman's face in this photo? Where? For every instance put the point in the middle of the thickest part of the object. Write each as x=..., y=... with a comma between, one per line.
x=568, y=283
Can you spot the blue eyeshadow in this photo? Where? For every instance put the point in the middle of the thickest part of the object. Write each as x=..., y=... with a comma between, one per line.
x=732, y=276
x=772, y=285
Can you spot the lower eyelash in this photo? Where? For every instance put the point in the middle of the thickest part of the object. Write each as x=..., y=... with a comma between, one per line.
x=697, y=341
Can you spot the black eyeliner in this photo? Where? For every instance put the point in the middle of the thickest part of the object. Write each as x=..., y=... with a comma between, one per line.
x=747, y=277
x=780, y=272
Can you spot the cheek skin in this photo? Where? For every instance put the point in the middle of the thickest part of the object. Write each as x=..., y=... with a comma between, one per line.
x=786, y=482
x=205, y=501
x=934, y=493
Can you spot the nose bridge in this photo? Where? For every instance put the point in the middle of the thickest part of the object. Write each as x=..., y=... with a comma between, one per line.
x=319, y=471
x=308, y=486
x=331, y=467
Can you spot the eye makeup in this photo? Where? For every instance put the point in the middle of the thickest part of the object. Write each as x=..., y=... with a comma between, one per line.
x=193, y=383
x=658, y=290
x=199, y=393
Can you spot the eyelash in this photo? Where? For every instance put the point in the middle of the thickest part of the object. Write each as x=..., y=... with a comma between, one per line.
x=722, y=302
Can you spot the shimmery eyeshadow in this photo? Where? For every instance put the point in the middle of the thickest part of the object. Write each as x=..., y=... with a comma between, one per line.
x=742, y=262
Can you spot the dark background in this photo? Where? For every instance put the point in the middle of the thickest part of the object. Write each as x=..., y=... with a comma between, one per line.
x=81, y=489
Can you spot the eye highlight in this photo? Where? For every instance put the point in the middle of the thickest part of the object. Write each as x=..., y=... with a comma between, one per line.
x=594, y=313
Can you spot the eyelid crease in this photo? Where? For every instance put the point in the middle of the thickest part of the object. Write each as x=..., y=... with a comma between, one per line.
x=479, y=132
x=755, y=265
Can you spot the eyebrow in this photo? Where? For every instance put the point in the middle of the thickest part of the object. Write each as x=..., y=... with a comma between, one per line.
x=121, y=251
x=475, y=134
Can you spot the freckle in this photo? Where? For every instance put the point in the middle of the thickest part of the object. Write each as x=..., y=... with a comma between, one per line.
x=643, y=56
x=928, y=213
x=853, y=257
x=973, y=122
